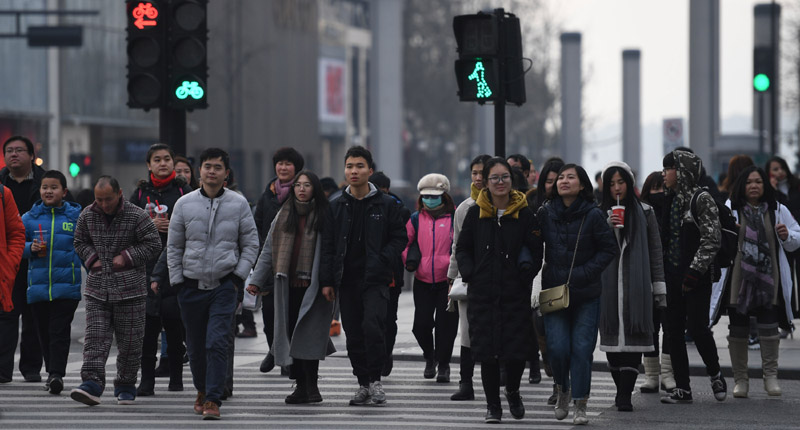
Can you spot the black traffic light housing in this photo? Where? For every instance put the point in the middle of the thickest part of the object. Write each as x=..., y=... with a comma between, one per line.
x=187, y=69
x=146, y=37
x=763, y=68
x=489, y=65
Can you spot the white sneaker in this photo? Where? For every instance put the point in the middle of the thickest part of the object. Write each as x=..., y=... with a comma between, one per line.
x=376, y=393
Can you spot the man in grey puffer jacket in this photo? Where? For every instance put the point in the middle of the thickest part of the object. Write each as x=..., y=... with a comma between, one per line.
x=212, y=245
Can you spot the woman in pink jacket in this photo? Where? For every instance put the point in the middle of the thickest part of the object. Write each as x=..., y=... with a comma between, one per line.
x=430, y=240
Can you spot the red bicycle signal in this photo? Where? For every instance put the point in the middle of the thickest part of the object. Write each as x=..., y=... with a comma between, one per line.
x=145, y=14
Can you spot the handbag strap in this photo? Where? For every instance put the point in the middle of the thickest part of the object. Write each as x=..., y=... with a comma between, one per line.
x=574, y=254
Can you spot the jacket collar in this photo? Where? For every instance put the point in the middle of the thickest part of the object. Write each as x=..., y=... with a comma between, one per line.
x=516, y=203
x=373, y=191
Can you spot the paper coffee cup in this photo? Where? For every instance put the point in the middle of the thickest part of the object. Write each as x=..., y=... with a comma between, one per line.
x=620, y=212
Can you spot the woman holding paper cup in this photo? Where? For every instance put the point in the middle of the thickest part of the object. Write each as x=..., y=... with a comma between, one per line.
x=633, y=285
x=579, y=245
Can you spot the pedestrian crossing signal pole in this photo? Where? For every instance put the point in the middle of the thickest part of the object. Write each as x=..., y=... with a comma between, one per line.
x=489, y=65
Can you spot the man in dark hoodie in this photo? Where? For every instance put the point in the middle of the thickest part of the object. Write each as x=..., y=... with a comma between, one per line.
x=690, y=242
x=362, y=238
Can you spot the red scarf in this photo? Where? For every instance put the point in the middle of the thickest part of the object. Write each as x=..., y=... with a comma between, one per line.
x=161, y=183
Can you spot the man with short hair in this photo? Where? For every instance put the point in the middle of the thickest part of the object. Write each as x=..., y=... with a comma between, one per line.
x=211, y=247
x=115, y=239
x=362, y=238
x=22, y=179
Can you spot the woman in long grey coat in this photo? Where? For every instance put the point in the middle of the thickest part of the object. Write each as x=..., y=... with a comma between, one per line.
x=292, y=254
x=632, y=283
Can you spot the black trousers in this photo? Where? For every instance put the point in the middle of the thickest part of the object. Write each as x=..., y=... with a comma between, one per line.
x=616, y=360
x=31, y=357
x=54, y=321
x=391, y=319
x=152, y=331
x=363, y=316
x=659, y=322
x=434, y=327
x=689, y=310
x=490, y=376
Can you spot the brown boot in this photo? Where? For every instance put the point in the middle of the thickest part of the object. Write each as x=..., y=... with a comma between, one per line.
x=198, y=402
x=210, y=411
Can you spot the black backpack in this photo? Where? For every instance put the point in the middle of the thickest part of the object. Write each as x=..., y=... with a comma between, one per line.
x=729, y=235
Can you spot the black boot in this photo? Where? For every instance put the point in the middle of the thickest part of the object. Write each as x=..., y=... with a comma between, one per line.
x=299, y=395
x=627, y=382
x=162, y=370
x=268, y=363
x=148, y=384
x=311, y=368
x=430, y=369
x=535, y=374
x=615, y=376
x=465, y=391
x=175, y=375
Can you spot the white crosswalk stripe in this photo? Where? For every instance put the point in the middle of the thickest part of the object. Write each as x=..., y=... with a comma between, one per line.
x=258, y=402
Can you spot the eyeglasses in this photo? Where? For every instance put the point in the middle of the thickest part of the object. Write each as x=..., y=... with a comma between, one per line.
x=499, y=179
x=302, y=185
x=10, y=151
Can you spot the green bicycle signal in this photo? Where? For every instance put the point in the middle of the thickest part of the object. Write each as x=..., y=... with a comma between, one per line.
x=189, y=89
x=479, y=75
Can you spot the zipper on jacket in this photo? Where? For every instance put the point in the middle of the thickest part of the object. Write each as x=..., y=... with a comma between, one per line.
x=73, y=273
x=50, y=264
x=433, y=250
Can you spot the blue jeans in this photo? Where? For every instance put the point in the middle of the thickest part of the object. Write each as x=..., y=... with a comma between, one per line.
x=207, y=316
x=571, y=338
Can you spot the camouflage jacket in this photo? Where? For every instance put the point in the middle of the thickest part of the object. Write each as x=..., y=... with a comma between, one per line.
x=688, y=168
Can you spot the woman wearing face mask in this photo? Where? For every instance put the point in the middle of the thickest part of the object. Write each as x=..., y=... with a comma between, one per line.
x=492, y=238
x=633, y=285
x=430, y=239
x=653, y=194
x=760, y=281
x=302, y=314
x=574, y=229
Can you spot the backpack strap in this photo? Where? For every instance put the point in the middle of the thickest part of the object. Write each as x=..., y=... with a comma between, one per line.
x=3, y=195
x=415, y=223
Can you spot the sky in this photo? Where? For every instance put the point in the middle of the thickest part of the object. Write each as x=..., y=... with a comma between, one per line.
x=660, y=29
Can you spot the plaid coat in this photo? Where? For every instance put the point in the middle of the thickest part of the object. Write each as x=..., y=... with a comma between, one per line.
x=130, y=234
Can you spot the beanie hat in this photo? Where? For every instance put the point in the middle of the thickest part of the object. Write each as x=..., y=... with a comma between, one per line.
x=434, y=184
x=621, y=165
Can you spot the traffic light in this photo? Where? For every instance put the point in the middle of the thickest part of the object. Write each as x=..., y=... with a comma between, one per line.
x=489, y=65
x=763, y=68
x=79, y=163
x=187, y=70
x=146, y=56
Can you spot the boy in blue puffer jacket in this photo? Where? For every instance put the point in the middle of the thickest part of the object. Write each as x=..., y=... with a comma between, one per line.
x=54, y=272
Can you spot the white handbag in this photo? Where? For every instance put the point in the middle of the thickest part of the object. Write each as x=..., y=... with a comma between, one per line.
x=458, y=291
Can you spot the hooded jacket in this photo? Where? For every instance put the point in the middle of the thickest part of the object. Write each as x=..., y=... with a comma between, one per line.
x=596, y=246
x=487, y=252
x=384, y=233
x=58, y=275
x=700, y=238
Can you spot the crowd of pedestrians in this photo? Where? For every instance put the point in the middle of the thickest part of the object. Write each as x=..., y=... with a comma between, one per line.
x=174, y=260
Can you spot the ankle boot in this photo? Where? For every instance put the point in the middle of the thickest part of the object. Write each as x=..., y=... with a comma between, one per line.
x=769, y=364
x=627, y=383
x=148, y=383
x=651, y=370
x=311, y=368
x=175, y=375
x=465, y=391
x=667, y=377
x=299, y=395
x=615, y=376
x=738, y=350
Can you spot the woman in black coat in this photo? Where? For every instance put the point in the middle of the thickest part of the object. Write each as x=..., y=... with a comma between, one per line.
x=495, y=232
x=157, y=195
x=572, y=219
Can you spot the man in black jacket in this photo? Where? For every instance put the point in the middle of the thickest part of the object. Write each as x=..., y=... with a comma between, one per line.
x=362, y=237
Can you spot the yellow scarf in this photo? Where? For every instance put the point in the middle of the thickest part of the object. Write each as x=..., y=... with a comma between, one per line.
x=516, y=201
x=474, y=191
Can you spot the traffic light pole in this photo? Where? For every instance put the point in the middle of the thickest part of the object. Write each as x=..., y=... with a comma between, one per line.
x=761, y=123
x=500, y=103
x=172, y=128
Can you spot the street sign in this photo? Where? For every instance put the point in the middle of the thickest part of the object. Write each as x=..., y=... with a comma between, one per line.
x=672, y=134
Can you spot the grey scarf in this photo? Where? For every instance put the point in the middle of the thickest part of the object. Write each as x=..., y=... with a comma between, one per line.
x=637, y=286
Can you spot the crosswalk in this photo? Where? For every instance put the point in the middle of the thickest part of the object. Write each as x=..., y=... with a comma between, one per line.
x=258, y=402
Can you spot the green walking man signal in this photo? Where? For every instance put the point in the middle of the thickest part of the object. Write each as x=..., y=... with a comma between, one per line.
x=479, y=75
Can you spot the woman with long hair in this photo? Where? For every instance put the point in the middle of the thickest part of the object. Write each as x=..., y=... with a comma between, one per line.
x=430, y=235
x=760, y=282
x=736, y=165
x=302, y=314
x=488, y=251
x=654, y=194
x=183, y=167
x=633, y=285
x=575, y=231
